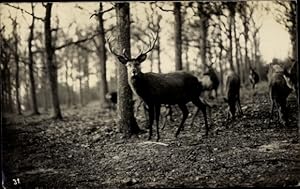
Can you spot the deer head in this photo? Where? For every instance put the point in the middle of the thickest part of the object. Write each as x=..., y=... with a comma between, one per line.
x=133, y=64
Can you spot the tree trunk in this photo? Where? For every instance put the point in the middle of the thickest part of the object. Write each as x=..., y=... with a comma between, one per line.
x=72, y=99
x=158, y=51
x=237, y=59
x=9, y=93
x=178, y=42
x=102, y=60
x=52, y=68
x=16, y=56
x=30, y=66
x=221, y=70
x=187, y=64
x=231, y=23
x=80, y=91
x=127, y=122
x=67, y=85
x=203, y=32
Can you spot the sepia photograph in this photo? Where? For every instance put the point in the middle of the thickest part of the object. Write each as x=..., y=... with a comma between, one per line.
x=149, y=94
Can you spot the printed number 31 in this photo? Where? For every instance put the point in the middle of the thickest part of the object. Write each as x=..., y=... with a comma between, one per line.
x=16, y=181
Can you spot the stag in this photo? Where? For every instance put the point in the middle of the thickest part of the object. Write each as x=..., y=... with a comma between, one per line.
x=155, y=89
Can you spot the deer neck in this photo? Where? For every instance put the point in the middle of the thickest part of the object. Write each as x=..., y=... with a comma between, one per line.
x=136, y=82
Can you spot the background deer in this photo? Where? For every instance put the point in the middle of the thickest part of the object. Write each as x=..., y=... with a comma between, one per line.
x=233, y=84
x=156, y=89
x=112, y=98
x=278, y=91
x=210, y=80
x=253, y=77
x=291, y=76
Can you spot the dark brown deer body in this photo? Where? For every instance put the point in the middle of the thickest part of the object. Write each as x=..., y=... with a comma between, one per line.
x=171, y=88
x=157, y=89
x=278, y=91
x=112, y=99
x=233, y=84
x=291, y=77
x=253, y=77
x=214, y=80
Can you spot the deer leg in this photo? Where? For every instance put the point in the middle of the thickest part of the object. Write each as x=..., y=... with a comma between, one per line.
x=170, y=112
x=157, y=114
x=283, y=113
x=202, y=106
x=164, y=124
x=271, y=112
x=239, y=106
x=194, y=116
x=185, y=114
x=151, y=118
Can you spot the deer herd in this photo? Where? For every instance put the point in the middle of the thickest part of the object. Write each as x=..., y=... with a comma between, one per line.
x=181, y=87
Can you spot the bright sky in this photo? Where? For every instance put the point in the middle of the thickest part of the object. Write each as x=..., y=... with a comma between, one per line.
x=274, y=38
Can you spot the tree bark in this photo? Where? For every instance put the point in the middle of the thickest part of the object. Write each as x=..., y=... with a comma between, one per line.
x=16, y=56
x=203, y=32
x=237, y=59
x=52, y=68
x=178, y=40
x=127, y=122
x=102, y=59
x=231, y=6
x=30, y=66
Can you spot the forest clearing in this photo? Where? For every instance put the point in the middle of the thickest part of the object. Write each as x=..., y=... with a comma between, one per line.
x=86, y=150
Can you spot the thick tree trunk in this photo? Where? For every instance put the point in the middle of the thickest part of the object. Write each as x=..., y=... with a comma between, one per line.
x=178, y=40
x=102, y=60
x=31, y=69
x=127, y=122
x=52, y=68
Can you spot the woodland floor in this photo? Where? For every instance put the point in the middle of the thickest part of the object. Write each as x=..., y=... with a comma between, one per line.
x=85, y=150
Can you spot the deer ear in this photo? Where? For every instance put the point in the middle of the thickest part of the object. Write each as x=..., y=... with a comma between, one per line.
x=141, y=58
x=122, y=59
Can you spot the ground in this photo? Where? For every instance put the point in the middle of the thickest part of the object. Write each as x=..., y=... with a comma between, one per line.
x=86, y=150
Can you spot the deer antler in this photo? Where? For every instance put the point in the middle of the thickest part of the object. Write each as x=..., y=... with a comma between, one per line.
x=151, y=45
x=110, y=48
x=124, y=54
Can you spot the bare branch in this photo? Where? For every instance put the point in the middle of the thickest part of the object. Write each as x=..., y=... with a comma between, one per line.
x=76, y=42
x=102, y=12
x=23, y=10
x=165, y=10
x=86, y=48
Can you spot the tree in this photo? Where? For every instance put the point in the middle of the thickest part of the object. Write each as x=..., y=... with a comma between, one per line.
x=31, y=64
x=5, y=56
x=178, y=40
x=52, y=68
x=204, y=23
x=231, y=7
x=246, y=13
x=16, y=57
x=101, y=52
x=127, y=122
